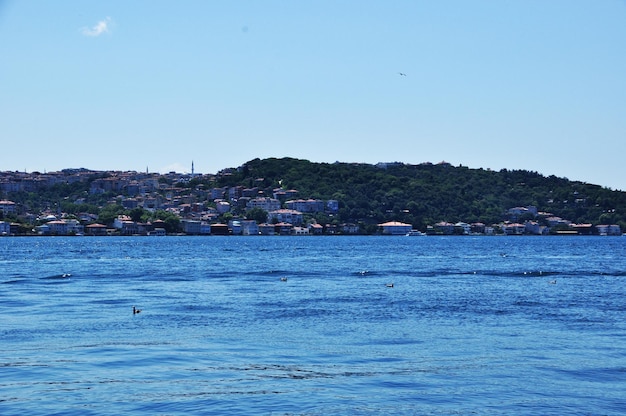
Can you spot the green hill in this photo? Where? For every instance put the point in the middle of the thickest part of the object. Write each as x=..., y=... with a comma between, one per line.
x=428, y=193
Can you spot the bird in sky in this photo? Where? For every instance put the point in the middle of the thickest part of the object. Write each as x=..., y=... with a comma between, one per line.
x=402, y=74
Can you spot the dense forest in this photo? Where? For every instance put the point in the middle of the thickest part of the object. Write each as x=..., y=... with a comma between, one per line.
x=428, y=193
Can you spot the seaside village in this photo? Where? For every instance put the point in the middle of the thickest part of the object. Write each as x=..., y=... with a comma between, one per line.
x=199, y=210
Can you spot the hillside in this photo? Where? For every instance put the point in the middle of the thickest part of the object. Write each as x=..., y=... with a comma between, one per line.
x=421, y=195
x=427, y=193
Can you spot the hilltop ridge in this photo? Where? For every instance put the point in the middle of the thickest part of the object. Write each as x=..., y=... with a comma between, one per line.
x=427, y=193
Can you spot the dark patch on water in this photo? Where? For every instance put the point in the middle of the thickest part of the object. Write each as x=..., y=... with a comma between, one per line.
x=63, y=276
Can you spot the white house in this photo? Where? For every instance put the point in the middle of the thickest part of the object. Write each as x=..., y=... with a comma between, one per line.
x=286, y=215
x=64, y=227
x=266, y=204
x=300, y=231
x=513, y=229
x=222, y=207
x=306, y=205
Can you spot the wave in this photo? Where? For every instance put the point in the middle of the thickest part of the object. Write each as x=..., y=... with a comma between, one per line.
x=63, y=276
x=489, y=273
x=14, y=281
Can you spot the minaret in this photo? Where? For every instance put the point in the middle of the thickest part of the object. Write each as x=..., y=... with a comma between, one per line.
x=192, y=175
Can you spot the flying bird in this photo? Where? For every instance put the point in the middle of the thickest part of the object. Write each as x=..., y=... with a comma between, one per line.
x=402, y=74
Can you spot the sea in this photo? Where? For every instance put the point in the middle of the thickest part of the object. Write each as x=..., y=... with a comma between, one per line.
x=313, y=325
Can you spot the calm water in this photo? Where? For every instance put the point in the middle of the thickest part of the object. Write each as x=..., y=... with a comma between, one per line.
x=471, y=325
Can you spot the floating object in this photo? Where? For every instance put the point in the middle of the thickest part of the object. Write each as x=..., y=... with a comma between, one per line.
x=283, y=279
x=389, y=284
x=136, y=311
x=552, y=282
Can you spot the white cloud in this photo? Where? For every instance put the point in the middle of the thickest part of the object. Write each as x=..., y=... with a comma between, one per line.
x=98, y=29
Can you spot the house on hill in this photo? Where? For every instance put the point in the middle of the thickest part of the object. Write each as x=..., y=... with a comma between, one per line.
x=7, y=207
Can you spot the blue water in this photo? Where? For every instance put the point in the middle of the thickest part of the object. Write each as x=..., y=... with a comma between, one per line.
x=472, y=325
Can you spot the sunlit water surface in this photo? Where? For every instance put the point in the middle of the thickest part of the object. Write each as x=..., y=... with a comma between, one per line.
x=308, y=325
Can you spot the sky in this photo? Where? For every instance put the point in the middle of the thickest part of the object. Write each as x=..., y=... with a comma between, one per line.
x=117, y=85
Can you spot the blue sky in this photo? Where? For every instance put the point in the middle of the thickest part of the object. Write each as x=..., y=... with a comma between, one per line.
x=129, y=85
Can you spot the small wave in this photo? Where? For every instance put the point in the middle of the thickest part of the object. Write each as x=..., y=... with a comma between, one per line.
x=363, y=273
x=14, y=281
x=279, y=272
x=527, y=303
x=64, y=276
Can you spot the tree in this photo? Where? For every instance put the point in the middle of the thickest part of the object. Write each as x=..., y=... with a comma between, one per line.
x=109, y=213
x=137, y=214
x=171, y=220
x=257, y=214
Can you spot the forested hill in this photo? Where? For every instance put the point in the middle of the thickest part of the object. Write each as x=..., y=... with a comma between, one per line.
x=428, y=193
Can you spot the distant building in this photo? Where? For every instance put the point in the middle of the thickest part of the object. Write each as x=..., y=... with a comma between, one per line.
x=533, y=227
x=266, y=204
x=350, y=228
x=604, y=229
x=463, y=227
x=249, y=227
x=61, y=227
x=96, y=229
x=222, y=207
x=395, y=228
x=583, y=229
x=306, y=205
x=267, y=229
x=7, y=207
x=283, y=228
x=443, y=227
x=234, y=227
x=192, y=227
x=219, y=229
x=285, y=215
x=316, y=229
x=513, y=229
x=300, y=231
